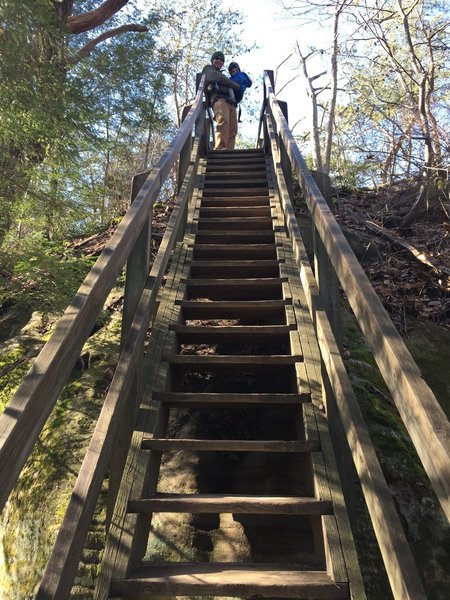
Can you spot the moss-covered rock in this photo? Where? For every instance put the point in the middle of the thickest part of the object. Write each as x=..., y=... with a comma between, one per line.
x=38, y=503
x=425, y=526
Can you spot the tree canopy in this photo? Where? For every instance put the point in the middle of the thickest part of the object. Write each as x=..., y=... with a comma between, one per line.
x=387, y=61
x=90, y=93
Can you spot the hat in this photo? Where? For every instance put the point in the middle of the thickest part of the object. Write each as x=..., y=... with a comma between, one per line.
x=233, y=65
x=218, y=54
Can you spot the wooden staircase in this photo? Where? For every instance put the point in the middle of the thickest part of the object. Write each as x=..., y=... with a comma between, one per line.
x=232, y=361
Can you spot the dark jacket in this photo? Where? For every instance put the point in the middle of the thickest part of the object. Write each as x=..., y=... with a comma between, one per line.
x=219, y=85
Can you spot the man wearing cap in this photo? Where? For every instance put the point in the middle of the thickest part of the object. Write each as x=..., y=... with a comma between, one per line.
x=220, y=95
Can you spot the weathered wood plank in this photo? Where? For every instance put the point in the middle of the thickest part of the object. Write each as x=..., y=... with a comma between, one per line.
x=341, y=558
x=208, y=212
x=233, y=289
x=315, y=418
x=120, y=542
x=229, y=201
x=237, y=268
x=226, y=399
x=62, y=565
x=231, y=503
x=191, y=445
x=229, y=579
x=236, y=167
x=242, y=281
x=227, y=251
x=234, y=263
x=235, y=223
x=192, y=362
x=196, y=334
x=236, y=191
x=242, y=182
x=270, y=310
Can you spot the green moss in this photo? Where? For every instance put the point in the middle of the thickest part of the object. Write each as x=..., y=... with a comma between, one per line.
x=13, y=367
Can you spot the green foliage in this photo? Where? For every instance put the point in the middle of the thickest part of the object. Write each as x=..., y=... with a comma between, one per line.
x=73, y=132
x=40, y=273
x=125, y=80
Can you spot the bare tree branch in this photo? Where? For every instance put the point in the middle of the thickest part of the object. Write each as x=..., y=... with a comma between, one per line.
x=94, y=18
x=87, y=48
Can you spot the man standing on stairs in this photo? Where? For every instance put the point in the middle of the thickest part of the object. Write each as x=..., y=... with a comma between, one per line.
x=220, y=96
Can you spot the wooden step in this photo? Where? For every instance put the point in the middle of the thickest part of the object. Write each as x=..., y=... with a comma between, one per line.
x=249, y=162
x=235, y=223
x=210, y=212
x=236, y=191
x=251, y=201
x=235, y=168
x=235, y=289
x=240, y=156
x=225, y=400
x=235, y=268
x=228, y=579
x=231, y=503
x=194, y=445
x=241, y=236
x=233, y=174
x=232, y=164
x=252, y=334
x=229, y=167
x=198, y=309
x=241, y=182
x=235, y=251
x=230, y=362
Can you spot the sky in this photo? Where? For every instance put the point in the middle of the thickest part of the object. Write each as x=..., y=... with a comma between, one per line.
x=267, y=25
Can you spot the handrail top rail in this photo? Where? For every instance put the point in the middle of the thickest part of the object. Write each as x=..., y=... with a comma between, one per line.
x=26, y=413
x=422, y=415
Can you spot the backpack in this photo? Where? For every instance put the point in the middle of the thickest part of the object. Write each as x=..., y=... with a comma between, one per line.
x=244, y=81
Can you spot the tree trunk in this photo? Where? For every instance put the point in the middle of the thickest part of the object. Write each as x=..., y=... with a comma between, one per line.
x=334, y=86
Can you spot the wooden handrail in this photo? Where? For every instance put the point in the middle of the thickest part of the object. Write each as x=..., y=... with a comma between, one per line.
x=421, y=413
x=400, y=566
x=62, y=565
x=27, y=412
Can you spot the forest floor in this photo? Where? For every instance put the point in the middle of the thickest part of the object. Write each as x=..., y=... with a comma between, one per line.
x=409, y=268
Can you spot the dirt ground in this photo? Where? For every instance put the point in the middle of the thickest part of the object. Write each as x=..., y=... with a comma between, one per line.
x=411, y=269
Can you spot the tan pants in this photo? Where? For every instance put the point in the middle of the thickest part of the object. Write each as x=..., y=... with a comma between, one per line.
x=226, y=124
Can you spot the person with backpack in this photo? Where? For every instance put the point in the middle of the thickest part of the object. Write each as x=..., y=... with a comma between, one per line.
x=220, y=91
x=242, y=79
x=239, y=77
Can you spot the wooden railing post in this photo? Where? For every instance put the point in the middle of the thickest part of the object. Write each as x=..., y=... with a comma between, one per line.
x=266, y=140
x=137, y=265
x=326, y=278
x=137, y=269
x=185, y=154
x=206, y=125
x=284, y=158
x=328, y=288
x=202, y=128
x=183, y=164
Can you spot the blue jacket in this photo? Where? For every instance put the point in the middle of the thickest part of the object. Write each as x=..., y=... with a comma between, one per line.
x=244, y=82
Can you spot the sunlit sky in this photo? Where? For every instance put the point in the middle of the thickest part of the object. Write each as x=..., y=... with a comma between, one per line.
x=276, y=35
x=267, y=25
